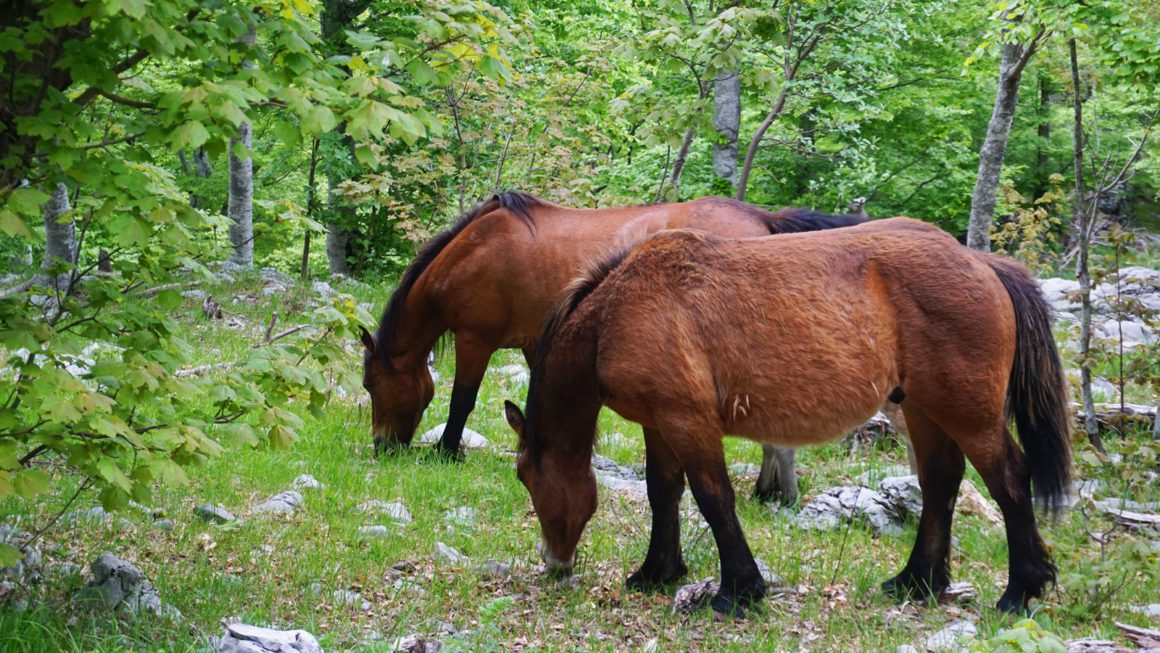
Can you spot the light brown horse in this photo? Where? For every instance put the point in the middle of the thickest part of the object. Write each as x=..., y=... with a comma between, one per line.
x=491, y=279
x=792, y=341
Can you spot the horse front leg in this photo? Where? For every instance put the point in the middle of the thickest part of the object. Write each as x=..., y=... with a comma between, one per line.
x=471, y=361
x=666, y=483
x=778, y=478
x=704, y=461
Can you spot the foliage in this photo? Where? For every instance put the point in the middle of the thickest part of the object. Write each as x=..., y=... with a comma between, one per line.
x=1024, y=636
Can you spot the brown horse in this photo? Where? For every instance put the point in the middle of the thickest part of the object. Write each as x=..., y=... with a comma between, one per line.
x=792, y=341
x=491, y=279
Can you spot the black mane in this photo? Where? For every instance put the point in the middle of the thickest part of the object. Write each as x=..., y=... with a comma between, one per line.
x=519, y=204
x=577, y=291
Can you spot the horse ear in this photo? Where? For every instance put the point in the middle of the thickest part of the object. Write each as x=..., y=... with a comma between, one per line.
x=368, y=340
x=515, y=418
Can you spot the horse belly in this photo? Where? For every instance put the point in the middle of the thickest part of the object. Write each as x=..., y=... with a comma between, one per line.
x=810, y=379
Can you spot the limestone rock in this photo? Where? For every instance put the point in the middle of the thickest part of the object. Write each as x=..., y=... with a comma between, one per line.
x=351, y=598
x=374, y=531
x=470, y=440
x=243, y=638
x=118, y=585
x=952, y=638
x=24, y=572
x=834, y=507
x=396, y=511
x=448, y=555
x=281, y=503
x=214, y=514
x=306, y=482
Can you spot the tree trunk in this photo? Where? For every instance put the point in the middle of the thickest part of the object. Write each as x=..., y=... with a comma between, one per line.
x=994, y=147
x=679, y=163
x=241, y=203
x=202, y=169
x=727, y=122
x=337, y=237
x=60, y=238
x=310, y=190
x=1082, y=216
x=755, y=142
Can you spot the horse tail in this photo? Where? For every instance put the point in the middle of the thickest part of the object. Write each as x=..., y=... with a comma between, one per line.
x=792, y=221
x=1036, y=390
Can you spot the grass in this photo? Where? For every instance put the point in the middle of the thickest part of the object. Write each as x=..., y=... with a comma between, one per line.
x=283, y=571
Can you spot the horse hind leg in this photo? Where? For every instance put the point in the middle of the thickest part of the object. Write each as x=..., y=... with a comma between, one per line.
x=1004, y=469
x=777, y=481
x=663, y=563
x=940, y=471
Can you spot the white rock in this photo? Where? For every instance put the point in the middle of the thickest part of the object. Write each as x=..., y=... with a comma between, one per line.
x=448, y=555
x=215, y=514
x=351, y=597
x=617, y=484
x=396, y=511
x=952, y=638
x=462, y=516
x=374, y=531
x=768, y=574
x=243, y=638
x=906, y=648
x=281, y=503
x=744, y=469
x=307, y=482
x=1152, y=610
x=832, y=508
x=470, y=440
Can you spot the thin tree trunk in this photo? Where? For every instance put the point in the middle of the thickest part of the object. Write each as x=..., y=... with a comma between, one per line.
x=310, y=191
x=202, y=169
x=755, y=142
x=1083, y=217
x=727, y=122
x=682, y=156
x=241, y=201
x=337, y=236
x=60, y=238
x=994, y=149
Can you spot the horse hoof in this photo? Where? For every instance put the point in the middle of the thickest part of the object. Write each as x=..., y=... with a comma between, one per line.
x=644, y=580
x=906, y=586
x=1012, y=604
x=728, y=607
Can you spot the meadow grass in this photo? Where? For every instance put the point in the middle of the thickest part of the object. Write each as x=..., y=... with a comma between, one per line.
x=282, y=571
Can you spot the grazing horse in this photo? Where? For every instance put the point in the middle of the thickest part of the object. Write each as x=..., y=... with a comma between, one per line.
x=491, y=279
x=792, y=341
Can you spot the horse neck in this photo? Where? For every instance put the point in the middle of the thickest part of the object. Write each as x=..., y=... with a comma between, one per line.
x=570, y=395
x=419, y=328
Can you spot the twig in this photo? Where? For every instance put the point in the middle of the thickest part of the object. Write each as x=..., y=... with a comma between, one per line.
x=52, y=522
x=270, y=327
x=168, y=286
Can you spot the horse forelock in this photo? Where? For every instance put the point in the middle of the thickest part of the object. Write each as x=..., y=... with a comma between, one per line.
x=518, y=204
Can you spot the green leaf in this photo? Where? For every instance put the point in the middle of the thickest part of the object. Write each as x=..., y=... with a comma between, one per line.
x=319, y=120
x=27, y=201
x=30, y=483
x=13, y=225
x=191, y=135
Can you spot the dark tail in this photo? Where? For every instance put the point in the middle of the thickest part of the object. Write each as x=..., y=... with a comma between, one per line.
x=1036, y=390
x=790, y=221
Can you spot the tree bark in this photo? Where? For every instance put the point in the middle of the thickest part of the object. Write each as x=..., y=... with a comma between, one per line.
x=60, y=238
x=682, y=156
x=338, y=237
x=241, y=201
x=1083, y=217
x=994, y=150
x=310, y=191
x=727, y=122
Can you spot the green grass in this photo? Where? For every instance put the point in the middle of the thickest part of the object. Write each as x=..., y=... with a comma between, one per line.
x=214, y=572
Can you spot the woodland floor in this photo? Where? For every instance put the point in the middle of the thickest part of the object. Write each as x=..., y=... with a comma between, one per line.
x=282, y=571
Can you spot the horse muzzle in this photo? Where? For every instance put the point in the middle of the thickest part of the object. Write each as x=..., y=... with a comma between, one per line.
x=553, y=565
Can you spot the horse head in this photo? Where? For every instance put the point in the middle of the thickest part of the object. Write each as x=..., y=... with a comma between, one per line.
x=400, y=388
x=563, y=494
